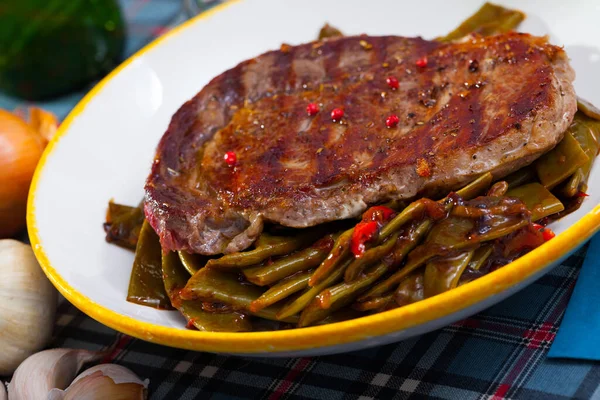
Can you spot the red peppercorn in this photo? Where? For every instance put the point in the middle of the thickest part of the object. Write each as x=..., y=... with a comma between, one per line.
x=422, y=62
x=392, y=121
x=337, y=114
x=230, y=158
x=392, y=82
x=312, y=108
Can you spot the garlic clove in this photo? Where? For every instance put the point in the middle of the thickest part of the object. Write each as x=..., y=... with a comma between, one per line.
x=46, y=370
x=2, y=391
x=105, y=381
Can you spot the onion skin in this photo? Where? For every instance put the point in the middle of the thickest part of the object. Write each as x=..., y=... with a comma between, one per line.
x=20, y=150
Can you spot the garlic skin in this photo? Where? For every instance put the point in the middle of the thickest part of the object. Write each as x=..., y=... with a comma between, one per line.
x=104, y=381
x=48, y=369
x=27, y=305
x=2, y=391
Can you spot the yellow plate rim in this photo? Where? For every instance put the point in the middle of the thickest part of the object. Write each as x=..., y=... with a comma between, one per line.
x=295, y=340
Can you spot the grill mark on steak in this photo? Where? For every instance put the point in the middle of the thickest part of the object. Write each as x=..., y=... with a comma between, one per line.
x=301, y=170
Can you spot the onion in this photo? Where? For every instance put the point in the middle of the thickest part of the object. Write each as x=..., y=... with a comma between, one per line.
x=20, y=150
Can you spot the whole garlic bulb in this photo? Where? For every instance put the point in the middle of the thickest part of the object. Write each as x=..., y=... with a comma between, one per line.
x=27, y=305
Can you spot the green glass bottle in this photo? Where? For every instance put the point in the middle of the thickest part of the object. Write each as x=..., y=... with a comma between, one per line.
x=52, y=47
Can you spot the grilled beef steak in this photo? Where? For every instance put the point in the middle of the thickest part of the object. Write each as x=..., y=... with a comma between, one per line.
x=484, y=104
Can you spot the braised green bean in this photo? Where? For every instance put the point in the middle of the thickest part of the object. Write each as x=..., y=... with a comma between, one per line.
x=477, y=187
x=376, y=303
x=410, y=290
x=538, y=200
x=175, y=278
x=146, y=285
x=498, y=189
x=288, y=265
x=372, y=255
x=521, y=177
x=281, y=290
x=442, y=274
x=489, y=20
x=413, y=238
x=328, y=31
x=192, y=262
x=561, y=162
x=294, y=307
x=338, y=255
x=588, y=108
x=212, y=285
x=123, y=225
x=338, y=296
x=253, y=257
x=480, y=256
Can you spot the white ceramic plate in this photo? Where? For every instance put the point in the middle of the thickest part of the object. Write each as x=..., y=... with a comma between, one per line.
x=105, y=147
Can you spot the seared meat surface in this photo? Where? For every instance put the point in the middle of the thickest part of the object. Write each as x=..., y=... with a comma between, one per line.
x=484, y=104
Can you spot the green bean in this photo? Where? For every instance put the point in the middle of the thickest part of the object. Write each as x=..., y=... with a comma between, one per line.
x=337, y=256
x=289, y=265
x=281, y=290
x=294, y=307
x=561, y=162
x=585, y=130
x=376, y=303
x=489, y=20
x=573, y=184
x=521, y=177
x=175, y=278
x=498, y=189
x=414, y=210
x=410, y=290
x=480, y=256
x=343, y=314
x=538, y=200
x=146, y=282
x=477, y=187
x=442, y=274
x=212, y=285
x=328, y=31
x=253, y=257
x=266, y=239
x=123, y=225
x=588, y=108
x=372, y=255
x=338, y=296
x=192, y=262
x=413, y=239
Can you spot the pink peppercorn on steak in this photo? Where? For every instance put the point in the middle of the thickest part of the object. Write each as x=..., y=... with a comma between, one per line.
x=319, y=132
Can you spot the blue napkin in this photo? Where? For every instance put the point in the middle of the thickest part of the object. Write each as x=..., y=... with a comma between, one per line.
x=579, y=332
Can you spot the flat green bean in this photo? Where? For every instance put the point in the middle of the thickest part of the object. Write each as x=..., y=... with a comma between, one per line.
x=175, y=278
x=192, y=262
x=294, y=307
x=410, y=290
x=489, y=20
x=213, y=285
x=146, y=282
x=477, y=187
x=253, y=257
x=281, y=290
x=588, y=108
x=480, y=256
x=123, y=225
x=561, y=162
x=521, y=177
x=375, y=303
x=538, y=200
x=338, y=255
x=413, y=239
x=369, y=257
x=442, y=274
x=338, y=296
x=300, y=261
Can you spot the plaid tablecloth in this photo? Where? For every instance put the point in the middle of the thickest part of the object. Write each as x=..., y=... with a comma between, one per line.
x=497, y=354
